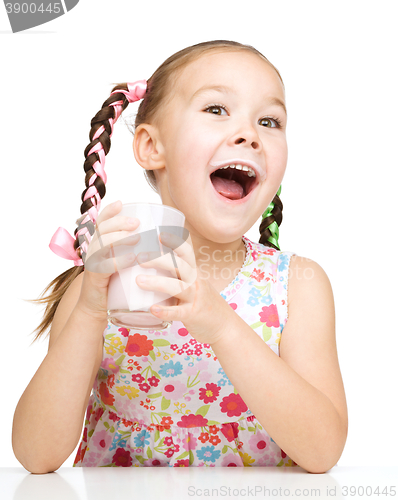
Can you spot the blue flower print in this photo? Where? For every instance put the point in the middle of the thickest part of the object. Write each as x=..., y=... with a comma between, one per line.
x=221, y=382
x=267, y=299
x=142, y=439
x=255, y=292
x=282, y=262
x=208, y=453
x=116, y=443
x=252, y=302
x=171, y=369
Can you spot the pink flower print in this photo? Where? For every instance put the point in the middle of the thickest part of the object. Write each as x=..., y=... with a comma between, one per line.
x=259, y=442
x=198, y=366
x=101, y=440
x=233, y=306
x=192, y=420
x=233, y=405
x=269, y=315
x=172, y=389
x=231, y=460
x=92, y=459
x=205, y=376
x=189, y=442
x=109, y=365
x=183, y=332
x=210, y=393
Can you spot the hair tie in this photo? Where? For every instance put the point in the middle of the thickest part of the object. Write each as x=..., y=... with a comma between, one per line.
x=273, y=227
x=62, y=242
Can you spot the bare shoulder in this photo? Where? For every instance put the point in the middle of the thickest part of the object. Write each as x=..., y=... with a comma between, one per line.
x=308, y=341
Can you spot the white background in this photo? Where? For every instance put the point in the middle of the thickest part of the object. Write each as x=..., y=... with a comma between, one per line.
x=338, y=61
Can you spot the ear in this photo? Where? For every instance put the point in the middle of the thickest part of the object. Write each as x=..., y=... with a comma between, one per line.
x=148, y=150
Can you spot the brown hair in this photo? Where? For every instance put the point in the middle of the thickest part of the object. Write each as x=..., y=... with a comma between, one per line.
x=158, y=94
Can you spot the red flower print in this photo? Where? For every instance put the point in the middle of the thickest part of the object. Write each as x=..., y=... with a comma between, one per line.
x=192, y=420
x=203, y=437
x=182, y=463
x=167, y=421
x=127, y=423
x=169, y=452
x=139, y=345
x=98, y=413
x=79, y=455
x=137, y=377
x=168, y=441
x=234, y=306
x=123, y=331
x=153, y=381
x=283, y=454
x=269, y=315
x=232, y=464
x=85, y=434
x=193, y=341
x=144, y=387
x=106, y=396
x=233, y=405
x=213, y=429
x=230, y=431
x=155, y=462
x=257, y=275
x=122, y=458
x=214, y=440
x=111, y=380
x=113, y=416
x=254, y=255
x=209, y=394
x=269, y=251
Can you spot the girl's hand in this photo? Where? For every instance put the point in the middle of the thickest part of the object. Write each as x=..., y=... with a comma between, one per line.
x=111, y=231
x=200, y=307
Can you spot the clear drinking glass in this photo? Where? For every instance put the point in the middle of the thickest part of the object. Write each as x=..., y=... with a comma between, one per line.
x=128, y=304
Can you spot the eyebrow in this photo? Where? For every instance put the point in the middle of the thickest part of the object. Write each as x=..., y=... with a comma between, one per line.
x=228, y=90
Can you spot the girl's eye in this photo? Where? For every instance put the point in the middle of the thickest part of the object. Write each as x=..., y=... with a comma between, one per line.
x=269, y=120
x=215, y=107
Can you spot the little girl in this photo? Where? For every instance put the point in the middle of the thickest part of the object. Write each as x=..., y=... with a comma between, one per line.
x=221, y=386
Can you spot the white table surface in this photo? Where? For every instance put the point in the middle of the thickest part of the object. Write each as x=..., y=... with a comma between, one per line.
x=125, y=483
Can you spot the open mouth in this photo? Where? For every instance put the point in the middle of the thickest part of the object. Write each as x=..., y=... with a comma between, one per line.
x=232, y=183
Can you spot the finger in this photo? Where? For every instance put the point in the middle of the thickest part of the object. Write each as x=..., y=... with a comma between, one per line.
x=169, y=286
x=170, y=262
x=111, y=264
x=109, y=211
x=183, y=248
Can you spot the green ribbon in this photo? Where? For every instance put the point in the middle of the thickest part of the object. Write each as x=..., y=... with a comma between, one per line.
x=274, y=229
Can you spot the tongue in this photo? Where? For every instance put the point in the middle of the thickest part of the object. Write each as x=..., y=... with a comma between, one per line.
x=228, y=188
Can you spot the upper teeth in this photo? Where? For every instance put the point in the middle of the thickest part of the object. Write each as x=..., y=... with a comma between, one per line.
x=251, y=172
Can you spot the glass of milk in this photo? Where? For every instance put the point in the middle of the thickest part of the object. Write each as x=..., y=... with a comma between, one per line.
x=128, y=304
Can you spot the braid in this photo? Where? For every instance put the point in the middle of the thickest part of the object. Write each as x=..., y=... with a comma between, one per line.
x=62, y=243
x=272, y=219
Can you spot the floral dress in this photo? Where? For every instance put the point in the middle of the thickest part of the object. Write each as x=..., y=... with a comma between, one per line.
x=161, y=398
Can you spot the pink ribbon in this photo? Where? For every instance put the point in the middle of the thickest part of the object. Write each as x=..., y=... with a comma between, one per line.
x=62, y=242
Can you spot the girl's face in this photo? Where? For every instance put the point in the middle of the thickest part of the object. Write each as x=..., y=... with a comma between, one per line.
x=204, y=125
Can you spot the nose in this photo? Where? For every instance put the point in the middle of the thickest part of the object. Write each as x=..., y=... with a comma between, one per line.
x=247, y=135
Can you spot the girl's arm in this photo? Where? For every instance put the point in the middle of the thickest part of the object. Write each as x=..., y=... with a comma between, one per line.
x=48, y=418
x=298, y=397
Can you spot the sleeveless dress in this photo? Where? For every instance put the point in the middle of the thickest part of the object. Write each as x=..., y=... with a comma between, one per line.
x=161, y=398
